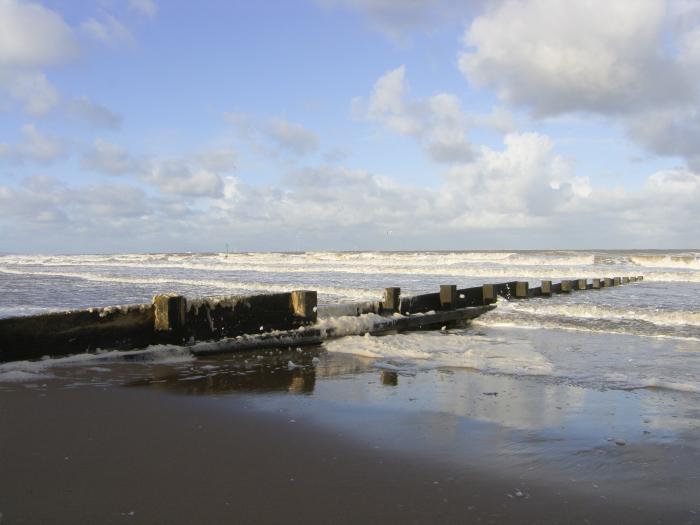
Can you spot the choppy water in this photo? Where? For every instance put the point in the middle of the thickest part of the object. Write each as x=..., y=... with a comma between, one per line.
x=644, y=335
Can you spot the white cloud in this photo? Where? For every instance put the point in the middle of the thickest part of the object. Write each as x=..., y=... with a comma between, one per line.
x=397, y=19
x=175, y=178
x=109, y=159
x=74, y=214
x=221, y=159
x=438, y=121
x=93, y=113
x=32, y=36
x=520, y=186
x=499, y=119
x=35, y=146
x=290, y=136
x=193, y=176
x=557, y=57
x=524, y=193
x=524, y=187
x=387, y=103
x=274, y=136
x=108, y=31
x=144, y=7
x=31, y=89
x=637, y=64
x=670, y=132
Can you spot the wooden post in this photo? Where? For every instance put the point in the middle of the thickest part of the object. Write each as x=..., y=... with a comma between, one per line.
x=546, y=287
x=607, y=282
x=640, y=277
x=521, y=288
x=303, y=304
x=595, y=284
x=170, y=312
x=565, y=286
x=489, y=293
x=392, y=298
x=580, y=284
x=617, y=281
x=448, y=296
x=625, y=280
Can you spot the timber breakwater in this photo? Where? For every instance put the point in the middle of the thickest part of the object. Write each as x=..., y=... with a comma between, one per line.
x=233, y=323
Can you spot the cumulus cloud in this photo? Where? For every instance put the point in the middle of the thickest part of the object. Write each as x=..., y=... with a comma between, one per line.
x=221, y=159
x=34, y=146
x=291, y=137
x=556, y=57
x=110, y=159
x=108, y=30
x=177, y=179
x=96, y=114
x=397, y=19
x=670, y=132
x=144, y=7
x=636, y=64
x=45, y=212
x=524, y=193
x=193, y=176
x=31, y=89
x=523, y=187
x=44, y=199
x=438, y=121
x=273, y=136
x=32, y=36
x=499, y=119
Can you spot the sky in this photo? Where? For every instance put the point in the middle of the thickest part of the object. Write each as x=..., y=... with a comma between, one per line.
x=174, y=126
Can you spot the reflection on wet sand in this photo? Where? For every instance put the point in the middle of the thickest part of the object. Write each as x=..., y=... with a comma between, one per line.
x=389, y=378
x=293, y=371
x=516, y=403
x=289, y=371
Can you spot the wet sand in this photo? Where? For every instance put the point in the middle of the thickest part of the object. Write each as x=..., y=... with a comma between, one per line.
x=338, y=442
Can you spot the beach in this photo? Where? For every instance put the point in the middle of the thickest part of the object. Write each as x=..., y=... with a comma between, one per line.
x=570, y=409
x=350, y=262
x=172, y=442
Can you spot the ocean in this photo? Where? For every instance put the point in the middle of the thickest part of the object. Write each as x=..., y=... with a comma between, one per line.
x=644, y=335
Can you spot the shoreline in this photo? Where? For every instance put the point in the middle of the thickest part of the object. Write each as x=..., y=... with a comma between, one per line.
x=360, y=444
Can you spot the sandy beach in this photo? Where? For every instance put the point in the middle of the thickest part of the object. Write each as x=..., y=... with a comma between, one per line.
x=350, y=262
x=334, y=440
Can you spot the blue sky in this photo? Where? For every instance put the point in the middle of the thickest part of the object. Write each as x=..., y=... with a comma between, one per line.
x=137, y=125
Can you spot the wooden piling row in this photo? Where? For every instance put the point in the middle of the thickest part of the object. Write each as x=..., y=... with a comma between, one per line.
x=450, y=297
x=172, y=318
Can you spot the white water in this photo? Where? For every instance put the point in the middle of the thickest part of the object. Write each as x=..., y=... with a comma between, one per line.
x=642, y=335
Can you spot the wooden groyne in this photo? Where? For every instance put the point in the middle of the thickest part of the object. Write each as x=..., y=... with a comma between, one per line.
x=247, y=322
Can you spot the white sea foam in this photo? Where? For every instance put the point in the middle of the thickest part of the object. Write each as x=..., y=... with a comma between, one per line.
x=21, y=376
x=597, y=365
x=592, y=311
x=533, y=323
x=528, y=267
x=437, y=350
x=670, y=385
x=41, y=369
x=237, y=286
x=685, y=261
x=351, y=324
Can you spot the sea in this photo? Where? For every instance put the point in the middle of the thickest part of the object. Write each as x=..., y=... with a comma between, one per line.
x=645, y=335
